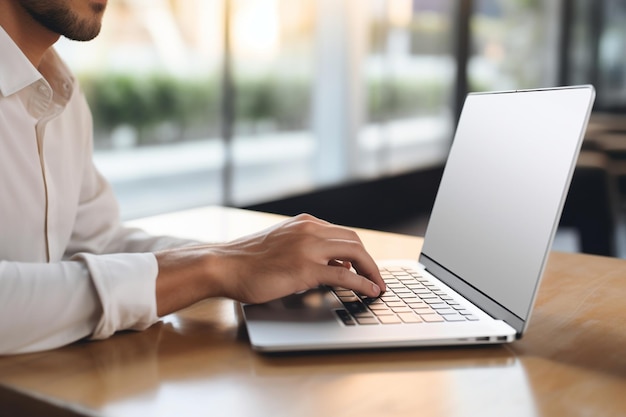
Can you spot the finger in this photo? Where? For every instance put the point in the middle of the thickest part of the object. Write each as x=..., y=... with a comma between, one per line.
x=343, y=264
x=341, y=277
x=354, y=253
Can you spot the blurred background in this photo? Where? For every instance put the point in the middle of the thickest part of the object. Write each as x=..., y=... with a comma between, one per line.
x=344, y=109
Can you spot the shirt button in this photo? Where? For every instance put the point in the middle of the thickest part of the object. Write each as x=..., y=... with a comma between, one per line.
x=44, y=91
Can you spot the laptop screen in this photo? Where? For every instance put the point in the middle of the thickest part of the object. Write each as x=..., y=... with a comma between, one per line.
x=503, y=189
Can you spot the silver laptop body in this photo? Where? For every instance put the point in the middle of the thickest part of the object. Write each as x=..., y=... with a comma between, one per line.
x=486, y=245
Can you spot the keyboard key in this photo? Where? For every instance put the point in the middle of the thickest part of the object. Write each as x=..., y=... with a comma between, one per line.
x=410, y=318
x=418, y=304
x=355, y=307
x=429, y=296
x=454, y=317
x=416, y=286
x=396, y=304
x=367, y=320
x=376, y=307
x=434, y=301
x=345, y=317
x=403, y=309
x=379, y=313
x=447, y=312
x=431, y=318
x=407, y=297
x=390, y=319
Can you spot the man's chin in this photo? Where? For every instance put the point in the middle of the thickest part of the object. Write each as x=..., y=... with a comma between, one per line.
x=98, y=6
x=84, y=34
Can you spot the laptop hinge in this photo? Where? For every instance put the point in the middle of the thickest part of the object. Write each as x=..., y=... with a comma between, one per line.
x=481, y=300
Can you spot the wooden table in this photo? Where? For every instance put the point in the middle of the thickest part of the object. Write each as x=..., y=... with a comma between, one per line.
x=197, y=362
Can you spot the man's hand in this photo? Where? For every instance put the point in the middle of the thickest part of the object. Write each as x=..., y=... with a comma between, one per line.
x=298, y=254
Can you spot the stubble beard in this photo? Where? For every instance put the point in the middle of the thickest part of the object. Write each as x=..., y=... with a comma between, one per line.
x=61, y=19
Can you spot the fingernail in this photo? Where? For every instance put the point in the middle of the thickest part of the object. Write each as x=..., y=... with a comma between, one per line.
x=376, y=289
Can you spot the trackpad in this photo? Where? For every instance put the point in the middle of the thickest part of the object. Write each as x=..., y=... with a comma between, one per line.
x=309, y=306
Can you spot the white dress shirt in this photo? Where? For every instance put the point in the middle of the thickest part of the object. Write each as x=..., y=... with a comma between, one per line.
x=68, y=268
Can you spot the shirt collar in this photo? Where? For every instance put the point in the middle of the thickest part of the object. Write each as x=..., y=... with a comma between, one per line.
x=17, y=72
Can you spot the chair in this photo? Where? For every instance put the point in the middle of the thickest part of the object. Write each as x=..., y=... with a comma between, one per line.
x=591, y=205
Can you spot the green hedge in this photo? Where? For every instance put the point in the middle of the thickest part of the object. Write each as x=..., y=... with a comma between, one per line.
x=389, y=99
x=147, y=102
x=192, y=106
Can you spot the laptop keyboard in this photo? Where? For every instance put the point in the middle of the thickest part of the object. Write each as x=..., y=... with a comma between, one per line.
x=410, y=298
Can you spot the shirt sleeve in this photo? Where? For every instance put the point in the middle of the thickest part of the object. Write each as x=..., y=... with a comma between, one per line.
x=104, y=283
x=50, y=305
x=119, y=261
x=88, y=294
x=125, y=287
x=88, y=276
x=45, y=306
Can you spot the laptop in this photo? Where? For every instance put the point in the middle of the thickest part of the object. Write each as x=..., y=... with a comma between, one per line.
x=486, y=244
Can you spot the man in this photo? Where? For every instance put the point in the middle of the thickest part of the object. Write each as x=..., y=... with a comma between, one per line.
x=68, y=268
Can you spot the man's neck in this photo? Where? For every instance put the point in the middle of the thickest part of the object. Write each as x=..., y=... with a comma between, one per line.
x=32, y=38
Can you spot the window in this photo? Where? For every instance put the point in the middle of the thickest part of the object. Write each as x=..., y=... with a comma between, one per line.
x=321, y=92
x=595, y=50
x=408, y=84
x=242, y=101
x=152, y=80
x=514, y=44
x=273, y=71
x=580, y=49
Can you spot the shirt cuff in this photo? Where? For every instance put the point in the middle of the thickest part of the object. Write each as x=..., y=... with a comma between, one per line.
x=126, y=287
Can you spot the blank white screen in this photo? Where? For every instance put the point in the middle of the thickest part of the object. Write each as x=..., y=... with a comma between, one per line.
x=503, y=189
